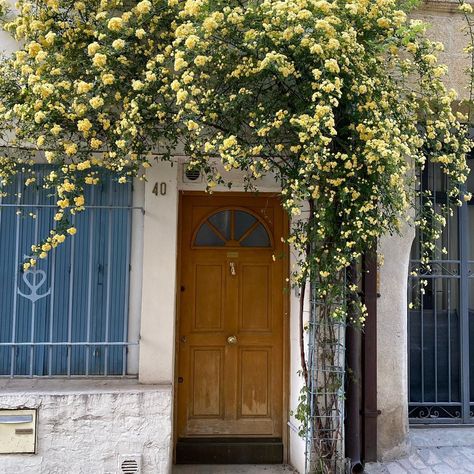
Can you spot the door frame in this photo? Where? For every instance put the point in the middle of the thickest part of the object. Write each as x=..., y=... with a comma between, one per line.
x=286, y=313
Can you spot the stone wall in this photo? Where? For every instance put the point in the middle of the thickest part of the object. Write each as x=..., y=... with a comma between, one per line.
x=392, y=367
x=84, y=426
x=447, y=25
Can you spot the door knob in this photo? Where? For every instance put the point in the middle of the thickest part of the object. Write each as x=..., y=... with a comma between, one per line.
x=232, y=340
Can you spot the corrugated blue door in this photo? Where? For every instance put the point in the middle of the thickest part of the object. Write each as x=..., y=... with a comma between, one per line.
x=69, y=316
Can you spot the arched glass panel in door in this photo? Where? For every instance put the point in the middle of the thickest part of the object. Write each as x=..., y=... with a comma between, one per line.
x=232, y=228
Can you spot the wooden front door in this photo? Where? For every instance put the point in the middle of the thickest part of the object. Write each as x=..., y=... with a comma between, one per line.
x=230, y=341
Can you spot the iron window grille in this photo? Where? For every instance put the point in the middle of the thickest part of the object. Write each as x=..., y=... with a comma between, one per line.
x=441, y=326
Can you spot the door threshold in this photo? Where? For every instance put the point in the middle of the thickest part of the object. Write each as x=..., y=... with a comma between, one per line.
x=233, y=469
x=229, y=451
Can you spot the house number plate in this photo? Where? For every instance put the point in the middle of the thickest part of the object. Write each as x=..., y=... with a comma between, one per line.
x=159, y=189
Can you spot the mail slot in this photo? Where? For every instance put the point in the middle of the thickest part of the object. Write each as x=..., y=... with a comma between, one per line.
x=17, y=431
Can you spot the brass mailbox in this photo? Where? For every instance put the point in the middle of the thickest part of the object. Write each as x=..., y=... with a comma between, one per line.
x=17, y=431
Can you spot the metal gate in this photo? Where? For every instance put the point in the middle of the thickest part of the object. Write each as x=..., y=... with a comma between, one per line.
x=68, y=316
x=441, y=325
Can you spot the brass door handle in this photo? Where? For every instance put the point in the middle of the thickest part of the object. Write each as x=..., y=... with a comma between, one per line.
x=232, y=340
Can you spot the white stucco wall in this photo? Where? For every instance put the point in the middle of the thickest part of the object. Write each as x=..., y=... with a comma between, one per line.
x=84, y=426
x=157, y=332
x=7, y=43
x=297, y=444
x=297, y=447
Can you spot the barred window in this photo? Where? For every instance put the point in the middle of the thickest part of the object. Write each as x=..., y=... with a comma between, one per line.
x=441, y=312
x=68, y=316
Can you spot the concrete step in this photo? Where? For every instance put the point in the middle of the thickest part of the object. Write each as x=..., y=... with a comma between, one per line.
x=233, y=469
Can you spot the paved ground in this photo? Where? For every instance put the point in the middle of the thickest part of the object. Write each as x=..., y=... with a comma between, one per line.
x=434, y=451
x=235, y=469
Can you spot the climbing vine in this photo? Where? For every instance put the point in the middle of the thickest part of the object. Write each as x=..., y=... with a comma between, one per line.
x=340, y=100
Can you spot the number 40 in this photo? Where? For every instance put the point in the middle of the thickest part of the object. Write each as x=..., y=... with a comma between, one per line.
x=159, y=189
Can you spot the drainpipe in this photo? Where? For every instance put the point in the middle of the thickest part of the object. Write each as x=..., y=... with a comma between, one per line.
x=369, y=359
x=353, y=441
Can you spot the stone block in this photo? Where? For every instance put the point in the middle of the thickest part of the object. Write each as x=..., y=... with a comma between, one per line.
x=87, y=428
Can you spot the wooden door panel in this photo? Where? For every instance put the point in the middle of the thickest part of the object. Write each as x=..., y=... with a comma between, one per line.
x=207, y=376
x=254, y=395
x=254, y=427
x=255, y=301
x=209, y=294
